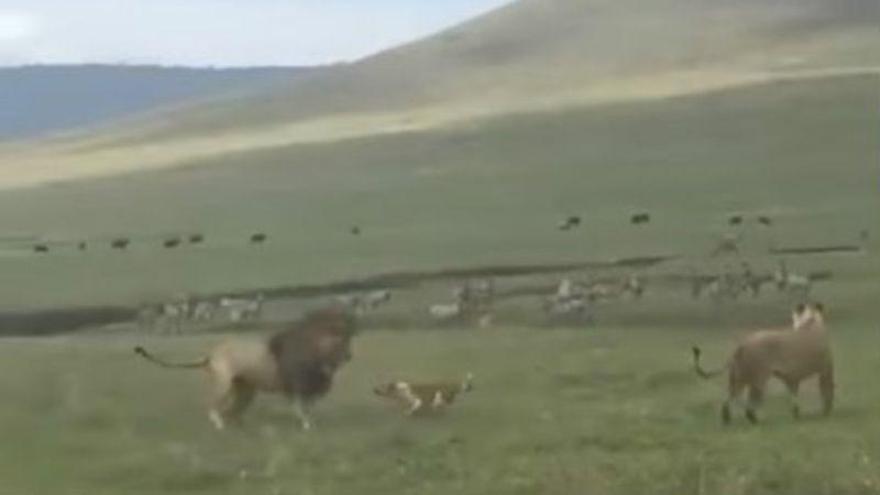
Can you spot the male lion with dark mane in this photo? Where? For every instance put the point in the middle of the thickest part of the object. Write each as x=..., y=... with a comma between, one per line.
x=299, y=362
x=791, y=355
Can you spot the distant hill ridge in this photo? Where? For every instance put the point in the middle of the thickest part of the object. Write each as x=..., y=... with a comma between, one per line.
x=42, y=99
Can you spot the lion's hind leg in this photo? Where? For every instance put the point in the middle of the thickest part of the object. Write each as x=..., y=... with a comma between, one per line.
x=735, y=388
x=242, y=396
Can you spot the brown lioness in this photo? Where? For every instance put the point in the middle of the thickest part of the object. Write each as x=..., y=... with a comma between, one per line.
x=424, y=397
x=792, y=355
x=299, y=362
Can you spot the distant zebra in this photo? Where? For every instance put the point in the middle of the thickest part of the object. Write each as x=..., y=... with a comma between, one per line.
x=793, y=283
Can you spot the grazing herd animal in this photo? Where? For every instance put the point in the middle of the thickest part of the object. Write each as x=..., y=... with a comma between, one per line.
x=171, y=243
x=446, y=313
x=640, y=218
x=569, y=223
x=120, y=243
x=727, y=244
x=298, y=363
x=123, y=243
x=472, y=301
x=738, y=219
x=792, y=283
x=172, y=316
x=361, y=303
x=791, y=355
x=730, y=285
x=240, y=310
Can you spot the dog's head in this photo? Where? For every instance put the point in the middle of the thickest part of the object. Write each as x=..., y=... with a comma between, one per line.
x=390, y=390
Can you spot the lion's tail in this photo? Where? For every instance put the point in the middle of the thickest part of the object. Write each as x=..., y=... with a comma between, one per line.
x=703, y=373
x=165, y=364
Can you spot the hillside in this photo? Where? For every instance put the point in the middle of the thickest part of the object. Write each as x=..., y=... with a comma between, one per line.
x=803, y=152
x=40, y=100
x=559, y=52
x=531, y=56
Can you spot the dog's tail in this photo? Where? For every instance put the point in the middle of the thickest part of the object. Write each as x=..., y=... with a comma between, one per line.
x=468, y=383
x=699, y=367
x=165, y=364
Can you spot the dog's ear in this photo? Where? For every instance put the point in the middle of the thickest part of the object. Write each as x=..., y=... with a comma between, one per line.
x=819, y=307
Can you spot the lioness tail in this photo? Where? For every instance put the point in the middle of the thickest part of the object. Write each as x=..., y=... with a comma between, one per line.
x=149, y=357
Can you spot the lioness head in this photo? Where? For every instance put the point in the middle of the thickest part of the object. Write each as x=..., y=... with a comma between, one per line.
x=804, y=315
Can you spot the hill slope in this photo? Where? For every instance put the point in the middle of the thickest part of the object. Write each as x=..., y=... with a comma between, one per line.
x=38, y=100
x=491, y=193
x=563, y=48
x=531, y=56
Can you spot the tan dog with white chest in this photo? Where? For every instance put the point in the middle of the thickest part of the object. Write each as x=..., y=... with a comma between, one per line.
x=420, y=398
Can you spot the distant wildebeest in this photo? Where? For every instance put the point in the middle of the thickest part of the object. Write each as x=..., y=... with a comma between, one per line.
x=640, y=218
x=120, y=243
x=299, y=363
x=41, y=248
x=790, y=354
x=171, y=243
x=735, y=220
x=82, y=246
x=570, y=223
x=258, y=238
x=355, y=230
x=765, y=220
x=196, y=238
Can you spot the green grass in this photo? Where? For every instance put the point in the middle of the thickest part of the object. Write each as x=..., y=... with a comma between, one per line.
x=611, y=410
x=804, y=152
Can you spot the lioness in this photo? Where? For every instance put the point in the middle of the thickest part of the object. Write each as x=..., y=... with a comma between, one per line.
x=792, y=355
x=299, y=362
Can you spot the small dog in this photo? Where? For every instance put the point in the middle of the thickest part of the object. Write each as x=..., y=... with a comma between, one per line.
x=424, y=397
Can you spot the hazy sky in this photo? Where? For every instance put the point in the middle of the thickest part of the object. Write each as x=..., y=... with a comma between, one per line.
x=218, y=32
